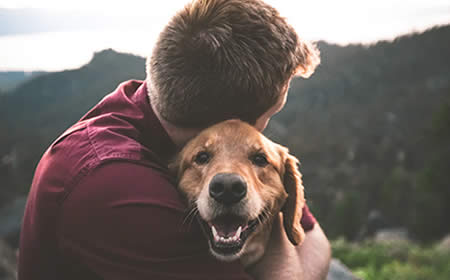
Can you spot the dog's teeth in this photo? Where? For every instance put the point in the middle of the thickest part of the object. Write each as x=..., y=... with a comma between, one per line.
x=229, y=239
x=216, y=236
x=238, y=233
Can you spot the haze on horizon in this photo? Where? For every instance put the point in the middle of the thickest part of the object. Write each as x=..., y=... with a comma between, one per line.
x=136, y=24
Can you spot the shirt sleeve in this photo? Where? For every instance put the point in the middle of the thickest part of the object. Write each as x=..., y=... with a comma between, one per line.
x=127, y=221
x=308, y=221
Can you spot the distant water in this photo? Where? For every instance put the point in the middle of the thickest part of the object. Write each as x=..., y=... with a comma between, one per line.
x=55, y=51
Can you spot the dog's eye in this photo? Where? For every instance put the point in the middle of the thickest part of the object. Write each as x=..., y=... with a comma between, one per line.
x=259, y=160
x=202, y=158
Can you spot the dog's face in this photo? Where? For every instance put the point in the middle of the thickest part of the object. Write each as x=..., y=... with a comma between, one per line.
x=238, y=180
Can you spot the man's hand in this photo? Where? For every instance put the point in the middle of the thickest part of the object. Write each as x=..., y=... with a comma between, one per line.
x=282, y=260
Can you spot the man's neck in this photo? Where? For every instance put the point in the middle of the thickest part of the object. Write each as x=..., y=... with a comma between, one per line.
x=179, y=135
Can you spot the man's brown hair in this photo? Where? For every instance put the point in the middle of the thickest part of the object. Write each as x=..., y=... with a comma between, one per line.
x=223, y=59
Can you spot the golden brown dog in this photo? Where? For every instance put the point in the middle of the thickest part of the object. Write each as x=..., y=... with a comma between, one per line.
x=237, y=181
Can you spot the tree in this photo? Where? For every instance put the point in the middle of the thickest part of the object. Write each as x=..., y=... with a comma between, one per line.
x=433, y=188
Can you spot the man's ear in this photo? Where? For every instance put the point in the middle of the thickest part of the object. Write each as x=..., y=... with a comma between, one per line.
x=293, y=207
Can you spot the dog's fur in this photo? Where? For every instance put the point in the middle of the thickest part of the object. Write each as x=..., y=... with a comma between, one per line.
x=274, y=185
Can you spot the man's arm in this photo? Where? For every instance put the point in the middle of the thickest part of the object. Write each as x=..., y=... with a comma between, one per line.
x=282, y=260
x=315, y=254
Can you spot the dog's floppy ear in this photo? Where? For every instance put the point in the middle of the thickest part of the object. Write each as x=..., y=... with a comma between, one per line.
x=293, y=207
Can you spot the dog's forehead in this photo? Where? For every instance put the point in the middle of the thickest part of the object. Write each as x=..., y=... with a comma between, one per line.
x=233, y=133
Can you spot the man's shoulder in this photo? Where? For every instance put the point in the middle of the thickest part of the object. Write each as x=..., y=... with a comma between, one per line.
x=121, y=127
x=122, y=183
x=84, y=151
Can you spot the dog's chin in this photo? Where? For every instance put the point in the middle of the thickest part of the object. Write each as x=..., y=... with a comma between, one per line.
x=227, y=235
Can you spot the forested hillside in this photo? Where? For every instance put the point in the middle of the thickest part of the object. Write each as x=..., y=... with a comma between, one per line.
x=365, y=127
x=9, y=80
x=371, y=128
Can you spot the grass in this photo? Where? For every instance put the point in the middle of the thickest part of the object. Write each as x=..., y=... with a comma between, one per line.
x=397, y=260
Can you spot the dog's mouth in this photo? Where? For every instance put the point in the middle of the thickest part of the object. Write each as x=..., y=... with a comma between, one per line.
x=227, y=234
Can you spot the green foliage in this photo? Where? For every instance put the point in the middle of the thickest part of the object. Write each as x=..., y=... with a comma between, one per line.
x=433, y=192
x=349, y=219
x=393, y=194
x=387, y=261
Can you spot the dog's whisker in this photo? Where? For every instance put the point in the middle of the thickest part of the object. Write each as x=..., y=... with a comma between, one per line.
x=193, y=217
x=260, y=218
x=190, y=215
x=266, y=215
x=189, y=219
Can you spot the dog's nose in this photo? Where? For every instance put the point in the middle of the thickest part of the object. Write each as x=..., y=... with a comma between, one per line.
x=227, y=188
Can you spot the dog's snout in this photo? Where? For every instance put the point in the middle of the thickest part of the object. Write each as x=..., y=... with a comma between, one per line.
x=227, y=188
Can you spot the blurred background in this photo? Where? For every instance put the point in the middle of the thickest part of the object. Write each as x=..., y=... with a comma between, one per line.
x=371, y=127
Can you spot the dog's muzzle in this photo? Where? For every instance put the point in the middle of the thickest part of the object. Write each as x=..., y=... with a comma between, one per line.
x=230, y=227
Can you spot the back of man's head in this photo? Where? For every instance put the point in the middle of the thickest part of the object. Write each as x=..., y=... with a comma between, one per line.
x=223, y=59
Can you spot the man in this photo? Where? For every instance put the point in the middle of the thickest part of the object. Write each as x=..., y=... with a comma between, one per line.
x=103, y=205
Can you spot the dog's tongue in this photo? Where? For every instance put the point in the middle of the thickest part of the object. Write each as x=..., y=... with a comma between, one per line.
x=228, y=225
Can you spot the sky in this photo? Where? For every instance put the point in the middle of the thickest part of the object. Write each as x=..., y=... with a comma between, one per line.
x=342, y=22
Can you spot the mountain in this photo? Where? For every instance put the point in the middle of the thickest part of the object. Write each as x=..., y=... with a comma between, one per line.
x=369, y=128
x=9, y=80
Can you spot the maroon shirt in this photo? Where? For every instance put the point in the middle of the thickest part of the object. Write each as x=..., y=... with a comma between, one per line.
x=103, y=206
